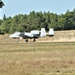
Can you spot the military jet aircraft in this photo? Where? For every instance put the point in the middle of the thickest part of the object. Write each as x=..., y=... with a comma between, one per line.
x=34, y=34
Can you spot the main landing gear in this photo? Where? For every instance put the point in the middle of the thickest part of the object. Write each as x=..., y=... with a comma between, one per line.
x=26, y=40
x=34, y=40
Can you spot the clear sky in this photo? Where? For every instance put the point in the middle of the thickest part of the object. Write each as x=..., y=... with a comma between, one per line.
x=15, y=7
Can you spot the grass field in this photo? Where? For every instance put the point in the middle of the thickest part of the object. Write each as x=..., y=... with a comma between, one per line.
x=37, y=58
x=46, y=56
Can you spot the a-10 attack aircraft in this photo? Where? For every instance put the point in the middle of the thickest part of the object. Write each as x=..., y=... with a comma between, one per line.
x=34, y=34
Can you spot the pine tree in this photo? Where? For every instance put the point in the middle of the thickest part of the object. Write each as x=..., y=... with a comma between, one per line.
x=1, y=3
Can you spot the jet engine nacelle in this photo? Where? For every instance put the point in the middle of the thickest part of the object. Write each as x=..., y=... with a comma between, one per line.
x=35, y=32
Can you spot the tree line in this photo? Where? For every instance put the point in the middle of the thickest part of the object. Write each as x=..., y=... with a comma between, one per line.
x=37, y=20
x=1, y=3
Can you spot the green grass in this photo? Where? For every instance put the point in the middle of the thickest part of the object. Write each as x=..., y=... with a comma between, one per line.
x=39, y=58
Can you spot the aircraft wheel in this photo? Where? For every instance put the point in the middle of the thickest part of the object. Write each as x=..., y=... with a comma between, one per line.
x=34, y=40
x=26, y=40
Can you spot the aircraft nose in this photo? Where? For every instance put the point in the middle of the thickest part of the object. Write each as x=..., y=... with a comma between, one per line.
x=10, y=36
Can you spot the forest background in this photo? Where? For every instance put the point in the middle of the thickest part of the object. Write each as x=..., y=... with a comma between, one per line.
x=37, y=20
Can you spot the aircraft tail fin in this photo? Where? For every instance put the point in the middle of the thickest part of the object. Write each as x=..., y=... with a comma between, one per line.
x=43, y=32
x=51, y=32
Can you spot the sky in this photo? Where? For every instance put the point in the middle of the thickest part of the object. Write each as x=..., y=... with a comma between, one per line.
x=15, y=7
